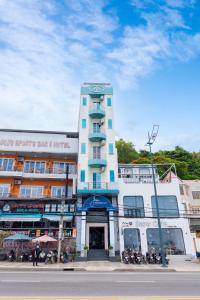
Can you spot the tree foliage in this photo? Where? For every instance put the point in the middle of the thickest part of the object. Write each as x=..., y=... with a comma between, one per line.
x=187, y=163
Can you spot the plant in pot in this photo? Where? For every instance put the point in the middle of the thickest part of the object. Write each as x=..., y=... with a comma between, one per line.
x=85, y=249
x=111, y=251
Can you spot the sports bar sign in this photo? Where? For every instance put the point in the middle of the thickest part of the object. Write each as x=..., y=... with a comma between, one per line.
x=37, y=142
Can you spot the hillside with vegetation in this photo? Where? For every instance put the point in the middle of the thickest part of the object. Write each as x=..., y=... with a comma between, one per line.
x=187, y=163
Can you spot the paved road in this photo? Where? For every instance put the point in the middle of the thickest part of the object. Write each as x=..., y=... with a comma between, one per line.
x=98, y=284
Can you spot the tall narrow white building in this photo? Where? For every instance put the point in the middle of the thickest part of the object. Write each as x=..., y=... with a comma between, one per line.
x=97, y=187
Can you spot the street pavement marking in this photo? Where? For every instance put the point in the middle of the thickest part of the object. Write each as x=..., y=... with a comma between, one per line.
x=18, y=281
x=136, y=281
x=103, y=298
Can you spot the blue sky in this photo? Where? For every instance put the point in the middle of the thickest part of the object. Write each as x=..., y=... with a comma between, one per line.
x=149, y=50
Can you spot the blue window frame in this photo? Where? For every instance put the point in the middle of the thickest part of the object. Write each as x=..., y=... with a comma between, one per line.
x=84, y=101
x=82, y=176
x=83, y=123
x=110, y=149
x=109, y=102
x=109, y=123
x=112, y=176
x=167, y=205
x=133, y=206
x=83, y=148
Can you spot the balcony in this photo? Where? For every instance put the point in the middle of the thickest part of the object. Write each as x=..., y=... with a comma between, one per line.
x=12, y=172
x=97, y=136
x=98, y=188
x=97, y=163
x=97, y=112
x=138, y=179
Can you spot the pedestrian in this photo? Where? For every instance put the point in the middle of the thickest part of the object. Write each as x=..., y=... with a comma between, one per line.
x=35, y=255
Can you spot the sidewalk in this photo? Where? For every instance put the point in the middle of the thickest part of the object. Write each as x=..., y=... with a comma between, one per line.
x=100, y=266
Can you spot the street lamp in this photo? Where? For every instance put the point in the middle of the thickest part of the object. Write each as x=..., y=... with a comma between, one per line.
x=150, y=142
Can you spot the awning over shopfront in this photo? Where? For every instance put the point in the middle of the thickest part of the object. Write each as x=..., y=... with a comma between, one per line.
x=56, y=217
x=12, y=217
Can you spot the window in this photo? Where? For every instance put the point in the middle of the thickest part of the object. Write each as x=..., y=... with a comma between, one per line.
x=134, y=206
x=34, y=166
x=82, y=175
x=6, y=164
x=172, y=240
x=109, y=123
x=4, y=190
x=96, y=127
x=96, y=152
x=132, y=239
x=110, y=149
x=168, y=206
x=109, y=101
x=59, y=191
x=96, y=180
x=196, y=194
x=83, y=148
x=83, y=123
x=181, y=189
x=27, y=191
x=60, y=168
x=47, y=207
x=84, y=101
x=112, y=176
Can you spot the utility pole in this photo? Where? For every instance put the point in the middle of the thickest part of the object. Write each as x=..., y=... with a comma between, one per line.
x=151, y=140
x=62, y=211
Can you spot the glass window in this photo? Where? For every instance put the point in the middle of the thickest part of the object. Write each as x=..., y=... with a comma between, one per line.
x=109, y=123
x=134, y=206
x=196, y=194
x=83, y=123
x=6, y=164
x=59, y=191
x=82, y=176
x=4, y=190
x=112, y=176
x=96, y=127
x=172, y=239
x=132, y=239
x=60, y=168
x=47, y=207
x=83, y=148
x=168, y=206
x=31, y=191
x=34, y=166
x=84, y=101
x=109, y=101
x=110, y=149
x=53, y=207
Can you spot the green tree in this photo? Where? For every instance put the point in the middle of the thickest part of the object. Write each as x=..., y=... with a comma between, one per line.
x=126, y=152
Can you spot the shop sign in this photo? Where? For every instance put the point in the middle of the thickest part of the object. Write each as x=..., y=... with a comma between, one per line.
x=29, y=208
x=147, y=224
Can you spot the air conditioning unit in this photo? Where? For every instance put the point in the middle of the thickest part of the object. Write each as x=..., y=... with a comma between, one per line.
x=17, y=181
x=103, y=143
x=101, y=98
x=102, y=122
x=102, y=169
x=20, y=159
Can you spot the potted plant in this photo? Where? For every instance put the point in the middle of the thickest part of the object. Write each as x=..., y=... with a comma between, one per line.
x=111, y=250
x=85, y=250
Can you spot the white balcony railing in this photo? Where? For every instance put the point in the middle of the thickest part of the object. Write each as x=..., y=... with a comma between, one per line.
x=138, y=178
x=98, y=185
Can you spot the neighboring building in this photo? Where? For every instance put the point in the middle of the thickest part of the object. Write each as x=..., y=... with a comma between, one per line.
x=190, y=195
x=33, y=179
x=110, y=206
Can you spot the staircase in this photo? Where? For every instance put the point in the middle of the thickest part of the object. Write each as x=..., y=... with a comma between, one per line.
x=97, y=255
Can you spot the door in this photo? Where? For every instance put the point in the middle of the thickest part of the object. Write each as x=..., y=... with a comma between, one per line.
x=96, y=152
x=96, y=240
x=96, y=180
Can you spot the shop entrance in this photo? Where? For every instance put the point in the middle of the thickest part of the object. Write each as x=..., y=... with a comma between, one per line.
x=96, y=238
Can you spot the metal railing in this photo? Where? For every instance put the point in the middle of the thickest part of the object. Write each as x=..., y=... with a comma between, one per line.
x=98, y=185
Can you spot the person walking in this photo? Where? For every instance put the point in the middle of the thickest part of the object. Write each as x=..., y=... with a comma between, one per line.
x=35, y=255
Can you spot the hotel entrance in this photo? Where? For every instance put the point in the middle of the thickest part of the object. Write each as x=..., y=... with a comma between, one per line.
x=96, y=239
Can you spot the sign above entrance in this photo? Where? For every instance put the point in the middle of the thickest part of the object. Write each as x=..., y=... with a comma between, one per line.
x=97, y=202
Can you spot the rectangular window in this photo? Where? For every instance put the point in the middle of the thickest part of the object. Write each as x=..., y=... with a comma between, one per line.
x=59, y=191
x=134, y=206
x=181, y=189
x=60, y=168
x=83, y=148
x=132, y=239
x=172, y=240
x=83, y=123
x=4, y=190
x=84, y=101
x=196, y=194
x=109, y=123
x=31, y=166
x=112, y=176
x=6, y=164
x=82, y=175
x=109, y=102
x=167, y=205
x=110, y=149
x=28, y=191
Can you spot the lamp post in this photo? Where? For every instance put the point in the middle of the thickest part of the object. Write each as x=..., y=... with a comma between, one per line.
x=150, y=142
x=60, y=234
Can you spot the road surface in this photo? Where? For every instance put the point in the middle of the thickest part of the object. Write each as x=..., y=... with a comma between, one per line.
x=42, y=283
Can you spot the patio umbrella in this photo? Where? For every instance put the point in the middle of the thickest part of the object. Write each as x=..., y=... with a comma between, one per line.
x=44, y=239
x=18, y=237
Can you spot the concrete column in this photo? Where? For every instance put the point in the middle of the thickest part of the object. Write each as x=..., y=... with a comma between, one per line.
x=112, y=233
x=83, y=229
